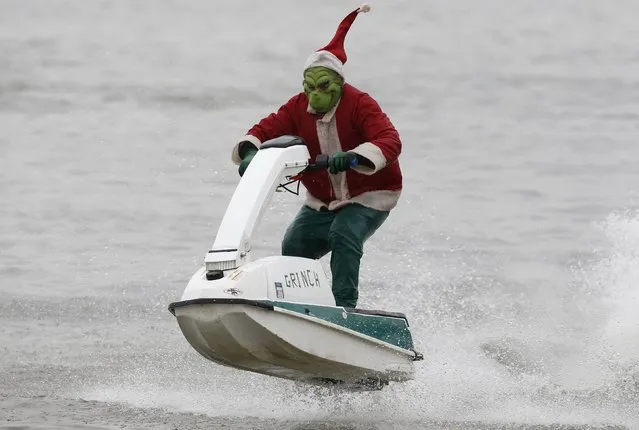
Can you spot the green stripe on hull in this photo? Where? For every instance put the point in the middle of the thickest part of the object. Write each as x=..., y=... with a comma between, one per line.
x=385, y=328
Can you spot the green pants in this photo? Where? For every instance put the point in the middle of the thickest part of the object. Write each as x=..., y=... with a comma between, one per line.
x=312, y=234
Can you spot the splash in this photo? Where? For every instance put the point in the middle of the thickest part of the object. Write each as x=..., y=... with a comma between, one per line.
x=615, y=280
x=504, y=368
x=620, y=337
x=599, y=376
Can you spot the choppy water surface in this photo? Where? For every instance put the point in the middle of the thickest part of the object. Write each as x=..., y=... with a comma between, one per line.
x=514, y=250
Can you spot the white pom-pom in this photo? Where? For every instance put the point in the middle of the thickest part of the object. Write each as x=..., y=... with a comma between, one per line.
x=364, y=8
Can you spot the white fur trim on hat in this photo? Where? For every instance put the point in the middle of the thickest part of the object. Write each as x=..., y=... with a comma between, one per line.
x=325, y=59
x=364, y=8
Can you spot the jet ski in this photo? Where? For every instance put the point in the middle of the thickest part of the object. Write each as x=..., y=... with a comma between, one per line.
x=276, y=315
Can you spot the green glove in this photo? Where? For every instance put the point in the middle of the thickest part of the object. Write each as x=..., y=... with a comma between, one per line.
x=341, y=161
x=247, y=156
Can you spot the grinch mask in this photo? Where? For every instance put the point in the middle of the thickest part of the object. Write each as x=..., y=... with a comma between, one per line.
x=323, y=87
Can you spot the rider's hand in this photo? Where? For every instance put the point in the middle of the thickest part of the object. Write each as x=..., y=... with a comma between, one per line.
x=247, y=153
x=342, y=161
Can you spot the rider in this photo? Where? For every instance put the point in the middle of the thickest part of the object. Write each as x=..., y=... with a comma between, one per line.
x=347, y=204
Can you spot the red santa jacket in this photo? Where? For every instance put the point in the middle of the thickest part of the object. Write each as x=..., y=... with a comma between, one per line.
x=357, y=124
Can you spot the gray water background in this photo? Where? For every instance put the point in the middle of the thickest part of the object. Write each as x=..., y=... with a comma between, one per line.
x=513, y=251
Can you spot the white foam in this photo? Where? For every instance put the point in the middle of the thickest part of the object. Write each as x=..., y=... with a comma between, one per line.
x=546, y=374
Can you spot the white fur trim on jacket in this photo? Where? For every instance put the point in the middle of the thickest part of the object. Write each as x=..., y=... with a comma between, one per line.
x=329, y=142
x=325, y=59
x=381, y=200
x=235, y=154
x=372, y=153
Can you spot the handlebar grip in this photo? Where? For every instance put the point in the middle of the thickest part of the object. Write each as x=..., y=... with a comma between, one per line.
x=321, y=162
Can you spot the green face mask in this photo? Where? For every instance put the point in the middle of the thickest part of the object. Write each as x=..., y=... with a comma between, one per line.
x=323, y=87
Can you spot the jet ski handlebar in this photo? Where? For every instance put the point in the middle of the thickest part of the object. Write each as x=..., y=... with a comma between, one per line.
x=320, y=163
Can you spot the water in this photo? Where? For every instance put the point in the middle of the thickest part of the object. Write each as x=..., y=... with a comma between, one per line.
x=514, y=249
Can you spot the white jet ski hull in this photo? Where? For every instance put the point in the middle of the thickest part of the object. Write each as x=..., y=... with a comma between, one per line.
x=261, y=337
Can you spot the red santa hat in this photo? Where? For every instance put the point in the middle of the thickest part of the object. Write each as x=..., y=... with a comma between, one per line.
x=333, y=55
